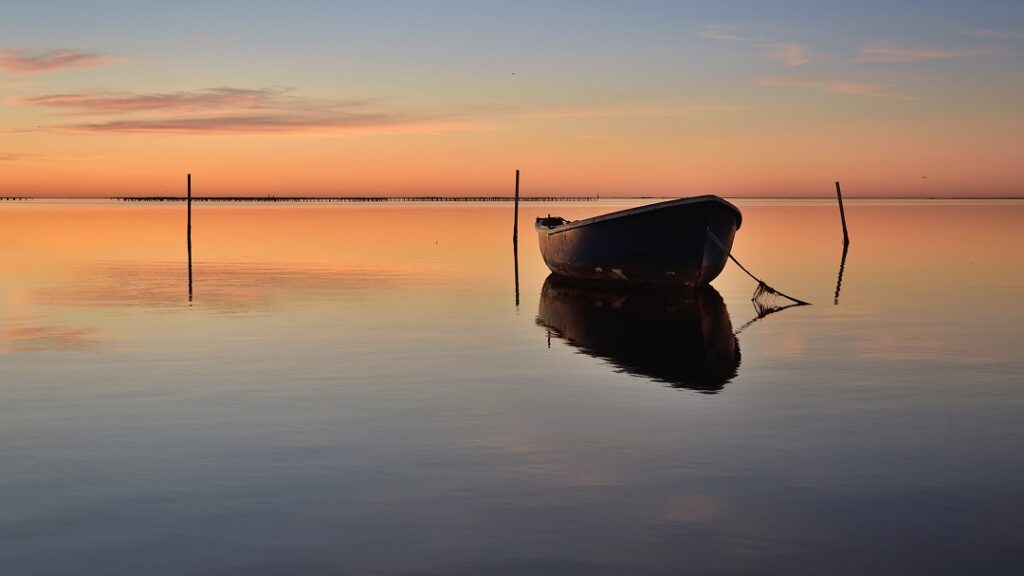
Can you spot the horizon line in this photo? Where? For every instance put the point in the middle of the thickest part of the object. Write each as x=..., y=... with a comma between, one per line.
x=496, y=198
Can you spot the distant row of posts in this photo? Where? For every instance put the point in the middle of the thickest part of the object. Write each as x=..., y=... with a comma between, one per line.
x=188, y=235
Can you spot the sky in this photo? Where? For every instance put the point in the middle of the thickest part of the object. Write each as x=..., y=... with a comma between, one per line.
x=420, y=97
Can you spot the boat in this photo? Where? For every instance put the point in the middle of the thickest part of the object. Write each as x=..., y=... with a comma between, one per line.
x=684, y=340
x=683, y=242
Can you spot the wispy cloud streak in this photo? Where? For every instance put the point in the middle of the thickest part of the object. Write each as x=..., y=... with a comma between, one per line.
x=831, y=86
x=884, y=52
x=790, y=53
x=18, y=157
x=35, y=61
x=121, y=102
x=276, y=111
x=218, y=111
x=994, y=34
x=727, y=32
x=242, y=124
x=627, y=110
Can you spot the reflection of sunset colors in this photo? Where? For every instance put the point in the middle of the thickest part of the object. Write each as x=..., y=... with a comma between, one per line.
x=406, y=239
x=39, y=338
x=410, y=98
x=906, y=264
x=245, y=256
x=254, y=257
x=944, y=240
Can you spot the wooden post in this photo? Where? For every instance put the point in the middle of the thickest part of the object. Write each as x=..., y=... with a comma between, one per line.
x=515, y=224
x=515, y=239
x=842, y=215
x=189, y=236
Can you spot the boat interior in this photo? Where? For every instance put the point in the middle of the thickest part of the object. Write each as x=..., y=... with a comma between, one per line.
x=551, y=221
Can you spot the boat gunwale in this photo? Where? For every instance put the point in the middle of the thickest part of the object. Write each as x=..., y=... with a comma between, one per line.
x=639, y=210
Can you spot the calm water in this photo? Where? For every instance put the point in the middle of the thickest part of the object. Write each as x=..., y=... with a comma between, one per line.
x=354, y=390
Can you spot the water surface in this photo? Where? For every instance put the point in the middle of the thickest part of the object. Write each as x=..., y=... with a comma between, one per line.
x=354, y=389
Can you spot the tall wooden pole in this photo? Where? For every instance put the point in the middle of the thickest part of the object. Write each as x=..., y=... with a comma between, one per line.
x=515, y=239
x=515, y=224
x=189, y=235
x=842, y=215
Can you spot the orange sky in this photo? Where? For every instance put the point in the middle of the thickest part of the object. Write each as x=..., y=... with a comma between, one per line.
x=619, y=99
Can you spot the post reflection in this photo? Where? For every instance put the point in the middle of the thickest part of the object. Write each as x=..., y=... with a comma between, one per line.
x=839, y=278
x=515, y=264
x=684, y=341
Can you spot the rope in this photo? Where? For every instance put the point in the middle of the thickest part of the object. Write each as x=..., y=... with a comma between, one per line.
x=762, y=288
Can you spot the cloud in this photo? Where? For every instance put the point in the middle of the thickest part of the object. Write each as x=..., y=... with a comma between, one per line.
x=235, y=100
x=883, y=52
x=23, y=130
x=15, y=85
x=241, y=123
x=121, y=102
x=17, y=157
x=789, y=81
x=860, y=89
x=276, y=111
x=34, y=61
x=832, y=86
x=791, y=53
x=994, y=34
x=724, y=32
x=610, y=111
x=224, y=111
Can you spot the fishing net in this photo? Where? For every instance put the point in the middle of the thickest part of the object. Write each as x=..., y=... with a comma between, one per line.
x=766, y=299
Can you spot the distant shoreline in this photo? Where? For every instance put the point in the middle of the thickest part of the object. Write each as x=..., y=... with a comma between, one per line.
x=401, y=199
x=358, y=199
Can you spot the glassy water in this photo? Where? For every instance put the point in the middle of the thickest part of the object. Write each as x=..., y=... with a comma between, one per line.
x=359, y=389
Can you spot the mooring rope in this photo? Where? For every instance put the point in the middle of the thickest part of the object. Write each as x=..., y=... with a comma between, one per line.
x=762, y=287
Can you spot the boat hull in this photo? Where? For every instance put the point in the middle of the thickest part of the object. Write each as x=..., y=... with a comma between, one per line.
x=660, y=244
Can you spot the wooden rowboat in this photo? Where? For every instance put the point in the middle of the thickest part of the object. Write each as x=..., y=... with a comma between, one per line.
x=683, y=242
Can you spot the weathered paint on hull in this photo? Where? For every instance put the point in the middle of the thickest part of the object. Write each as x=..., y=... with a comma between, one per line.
x=664, y=243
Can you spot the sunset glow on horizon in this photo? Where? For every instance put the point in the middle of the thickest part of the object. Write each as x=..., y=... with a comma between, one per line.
x=737, y=98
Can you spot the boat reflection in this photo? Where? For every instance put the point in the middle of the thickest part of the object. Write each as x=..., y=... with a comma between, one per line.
x=684, y=341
